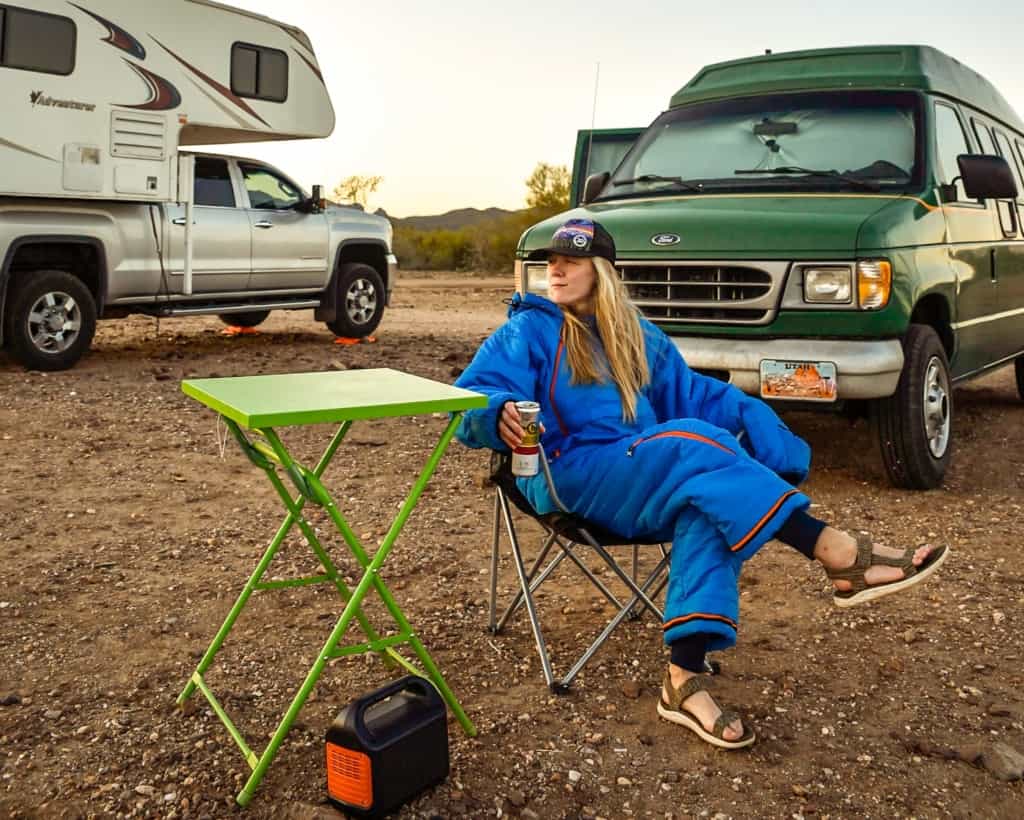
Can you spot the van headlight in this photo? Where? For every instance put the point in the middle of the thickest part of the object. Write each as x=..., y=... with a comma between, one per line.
x=874, y=283
x=831, y=284
x=533, y=279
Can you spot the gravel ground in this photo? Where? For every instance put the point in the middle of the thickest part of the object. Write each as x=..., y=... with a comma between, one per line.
x=128, y=525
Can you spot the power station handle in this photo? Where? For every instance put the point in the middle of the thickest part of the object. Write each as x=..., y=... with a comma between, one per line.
x=409, y=682
x=264, y=224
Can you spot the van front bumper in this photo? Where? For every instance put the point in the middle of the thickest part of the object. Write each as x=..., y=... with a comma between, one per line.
x=864, y=369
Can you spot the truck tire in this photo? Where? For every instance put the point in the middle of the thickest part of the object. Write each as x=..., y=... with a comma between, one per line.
x=915, y=424
x=51, y=319
x=360, y=301
x=1018, y=365
x=249, y=318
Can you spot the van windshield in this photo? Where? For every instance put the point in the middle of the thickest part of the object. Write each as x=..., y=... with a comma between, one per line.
x=816, y=141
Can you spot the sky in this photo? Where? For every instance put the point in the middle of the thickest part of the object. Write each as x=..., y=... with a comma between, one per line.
x=454, y=103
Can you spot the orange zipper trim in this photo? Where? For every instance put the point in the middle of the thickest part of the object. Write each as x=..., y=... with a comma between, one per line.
x=698, y=616
x=678, y=434
x=764, y=520
x=551, y=388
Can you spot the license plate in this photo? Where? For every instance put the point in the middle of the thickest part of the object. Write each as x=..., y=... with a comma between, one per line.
x=804, y=381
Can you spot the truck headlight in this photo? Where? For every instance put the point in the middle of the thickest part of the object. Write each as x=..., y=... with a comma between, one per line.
x=828, y=285
x=874, y=283
x=534, y=278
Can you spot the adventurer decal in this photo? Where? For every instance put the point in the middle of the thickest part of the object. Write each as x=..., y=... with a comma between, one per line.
x=39, y=98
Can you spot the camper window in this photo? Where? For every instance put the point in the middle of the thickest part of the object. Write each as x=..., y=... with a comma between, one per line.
x=213, y=183
x=33, y=41
x=259, y=73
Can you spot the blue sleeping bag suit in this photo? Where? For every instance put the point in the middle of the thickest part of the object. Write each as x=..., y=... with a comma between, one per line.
x=675, y=474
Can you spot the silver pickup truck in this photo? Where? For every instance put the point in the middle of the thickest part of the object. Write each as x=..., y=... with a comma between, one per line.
x=259, y=244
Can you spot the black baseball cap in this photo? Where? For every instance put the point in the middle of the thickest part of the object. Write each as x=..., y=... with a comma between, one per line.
x=579, y=237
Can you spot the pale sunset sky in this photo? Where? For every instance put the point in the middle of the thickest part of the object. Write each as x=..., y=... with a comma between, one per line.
x=455, y=102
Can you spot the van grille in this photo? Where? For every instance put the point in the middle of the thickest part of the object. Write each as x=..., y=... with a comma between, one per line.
x=141, y=136
x=705, y=291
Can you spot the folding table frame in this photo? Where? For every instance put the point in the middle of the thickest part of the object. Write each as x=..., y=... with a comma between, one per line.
x=259, y=404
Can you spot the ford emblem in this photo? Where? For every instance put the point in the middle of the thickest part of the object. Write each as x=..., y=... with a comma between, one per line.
x=665, y=239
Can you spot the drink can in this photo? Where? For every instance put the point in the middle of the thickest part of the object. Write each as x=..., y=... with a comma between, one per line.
x=526, y=457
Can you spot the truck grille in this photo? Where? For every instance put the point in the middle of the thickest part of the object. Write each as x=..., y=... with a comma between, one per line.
x=727, y=292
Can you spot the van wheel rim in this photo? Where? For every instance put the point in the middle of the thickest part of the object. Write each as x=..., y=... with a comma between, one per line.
x=937, y=419
x=361, y=301
x=54, y=322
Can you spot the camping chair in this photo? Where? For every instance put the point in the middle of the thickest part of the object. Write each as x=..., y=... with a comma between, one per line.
x=567, y=532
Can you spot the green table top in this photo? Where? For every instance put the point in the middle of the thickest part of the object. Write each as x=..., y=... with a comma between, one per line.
x=315, y=398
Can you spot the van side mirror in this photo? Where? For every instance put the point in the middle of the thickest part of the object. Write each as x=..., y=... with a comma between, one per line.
x=592, y=187
x=986, y=176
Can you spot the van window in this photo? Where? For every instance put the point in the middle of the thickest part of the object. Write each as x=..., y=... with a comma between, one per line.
x=868, y=135
x=213, y=183
x=984, y=137
x=1008, y=213
x=259, y=73
x=34, y=41
x=1003, y=144
x=268, y=191
x=950, y=142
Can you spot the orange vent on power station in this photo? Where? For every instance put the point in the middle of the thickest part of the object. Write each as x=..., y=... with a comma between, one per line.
x=349, y=777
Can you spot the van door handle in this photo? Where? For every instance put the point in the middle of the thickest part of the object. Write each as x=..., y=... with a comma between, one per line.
x=180, y=220
x=266, y=223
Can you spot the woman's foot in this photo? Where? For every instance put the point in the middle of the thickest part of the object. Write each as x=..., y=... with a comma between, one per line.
x=862, y=571
x=699, y=705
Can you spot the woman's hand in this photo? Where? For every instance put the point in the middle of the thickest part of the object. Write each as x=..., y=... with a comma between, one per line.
x=509, y=429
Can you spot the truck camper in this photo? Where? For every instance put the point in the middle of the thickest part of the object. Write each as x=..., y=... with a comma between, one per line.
x=103, y=214
x=833, y=228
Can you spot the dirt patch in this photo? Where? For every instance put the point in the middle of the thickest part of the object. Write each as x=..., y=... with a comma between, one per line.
x=128, y=524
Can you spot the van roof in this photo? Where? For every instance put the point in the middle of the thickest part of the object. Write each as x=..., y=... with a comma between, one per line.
x=897, y=67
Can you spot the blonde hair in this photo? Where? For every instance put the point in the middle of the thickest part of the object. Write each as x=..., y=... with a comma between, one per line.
x=618, y=326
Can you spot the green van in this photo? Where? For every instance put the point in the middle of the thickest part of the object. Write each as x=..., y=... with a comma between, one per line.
x=835, y=227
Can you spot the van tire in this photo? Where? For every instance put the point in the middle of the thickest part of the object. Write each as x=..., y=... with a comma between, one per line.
x=249, y=318
x=915, y=424
x=1018, y=365
x=60, y=296
x=360, y=301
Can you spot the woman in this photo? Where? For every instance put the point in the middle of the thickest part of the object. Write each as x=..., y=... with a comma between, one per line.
x=643, y=446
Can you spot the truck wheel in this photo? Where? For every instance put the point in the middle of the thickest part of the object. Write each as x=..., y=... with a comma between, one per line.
x=360, y=301
x=915, y=424
x=249, y=318
x=1018, y=365
x=51, y=319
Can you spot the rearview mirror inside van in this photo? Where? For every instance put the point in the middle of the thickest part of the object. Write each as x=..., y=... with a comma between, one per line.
x=592, y=187
x=986, y=176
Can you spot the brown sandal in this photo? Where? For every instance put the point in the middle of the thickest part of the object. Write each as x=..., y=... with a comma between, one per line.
x=861, y=591
x=675, y=712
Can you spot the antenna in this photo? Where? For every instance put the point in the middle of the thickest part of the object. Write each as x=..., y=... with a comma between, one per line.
x=593, y=119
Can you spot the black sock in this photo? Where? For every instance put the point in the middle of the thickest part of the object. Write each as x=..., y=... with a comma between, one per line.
x=801, y=532
x=688, y=652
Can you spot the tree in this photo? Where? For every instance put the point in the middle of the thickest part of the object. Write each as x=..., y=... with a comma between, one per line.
x=547, y=187
x=356, y=189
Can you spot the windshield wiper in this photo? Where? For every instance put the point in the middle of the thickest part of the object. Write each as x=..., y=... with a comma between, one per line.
x=679, y=182
x=813, y=172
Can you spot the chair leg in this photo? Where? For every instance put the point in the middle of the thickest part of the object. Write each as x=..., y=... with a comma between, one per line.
x=614, y=622
x=534, y=579
x=623, y=576
x=567, y=548
x=524, y=582
x=495, y=542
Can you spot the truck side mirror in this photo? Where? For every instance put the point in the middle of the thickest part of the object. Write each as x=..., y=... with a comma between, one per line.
x=318, y=199
x=592, y=187
x=986, y=176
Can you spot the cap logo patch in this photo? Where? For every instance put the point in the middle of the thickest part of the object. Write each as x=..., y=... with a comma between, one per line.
x=580, y=241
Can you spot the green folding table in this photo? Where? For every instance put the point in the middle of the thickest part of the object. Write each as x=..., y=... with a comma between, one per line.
x=252, y=407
